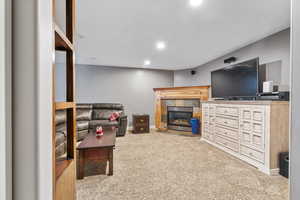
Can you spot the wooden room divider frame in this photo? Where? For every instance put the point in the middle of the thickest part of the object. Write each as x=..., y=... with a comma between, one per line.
x=64, y=172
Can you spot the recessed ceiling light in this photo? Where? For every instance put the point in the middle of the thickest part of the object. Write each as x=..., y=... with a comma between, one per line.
x=160, y=45
x=196, y=3
x=147, y=62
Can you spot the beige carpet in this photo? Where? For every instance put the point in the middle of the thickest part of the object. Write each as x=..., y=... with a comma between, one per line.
x=162, y=166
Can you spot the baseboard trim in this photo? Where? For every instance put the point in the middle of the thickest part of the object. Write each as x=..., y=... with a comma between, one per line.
x=274, y=172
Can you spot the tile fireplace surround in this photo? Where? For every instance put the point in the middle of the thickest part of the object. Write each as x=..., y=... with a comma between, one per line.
x=186, y=108
x=178, y=97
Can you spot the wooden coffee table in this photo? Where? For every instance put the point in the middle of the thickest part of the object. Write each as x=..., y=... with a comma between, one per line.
x=99, y=149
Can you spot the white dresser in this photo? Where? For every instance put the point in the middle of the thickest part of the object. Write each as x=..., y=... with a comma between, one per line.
x=253, y=131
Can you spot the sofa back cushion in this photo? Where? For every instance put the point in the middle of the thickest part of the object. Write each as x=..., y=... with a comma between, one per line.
x=83, y=114
x=84, y=106
x=101, y=114
x=108, y=106
x=60, y=117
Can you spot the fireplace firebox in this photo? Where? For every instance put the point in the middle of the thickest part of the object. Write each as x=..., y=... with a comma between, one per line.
x=179, y=118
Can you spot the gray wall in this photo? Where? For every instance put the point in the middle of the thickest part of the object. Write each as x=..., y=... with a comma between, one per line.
x=129, y=86
x=295, y=104
x=271, y=49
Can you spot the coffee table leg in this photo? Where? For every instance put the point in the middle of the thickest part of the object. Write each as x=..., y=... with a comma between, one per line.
x=111, y=163
x=81, y=164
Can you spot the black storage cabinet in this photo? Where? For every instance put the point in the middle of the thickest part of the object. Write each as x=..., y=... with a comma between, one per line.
x=284, y=164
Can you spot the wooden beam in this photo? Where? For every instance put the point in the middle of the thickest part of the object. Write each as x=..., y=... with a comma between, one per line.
x=64, y=105
x=62, y=43
x=60, y=167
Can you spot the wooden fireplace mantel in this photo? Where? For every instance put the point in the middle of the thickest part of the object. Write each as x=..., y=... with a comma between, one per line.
x=182, y=88
x=193, y=92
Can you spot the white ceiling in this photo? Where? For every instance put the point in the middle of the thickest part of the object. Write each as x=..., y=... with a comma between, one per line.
x=124, y=32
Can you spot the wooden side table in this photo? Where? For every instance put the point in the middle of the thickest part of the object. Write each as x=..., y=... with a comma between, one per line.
x=99, y=149
x=140, y=123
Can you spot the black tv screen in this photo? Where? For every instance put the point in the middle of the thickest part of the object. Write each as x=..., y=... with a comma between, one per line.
x=239, y=80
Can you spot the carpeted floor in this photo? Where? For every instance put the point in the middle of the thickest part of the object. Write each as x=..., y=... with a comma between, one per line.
x=162, y=166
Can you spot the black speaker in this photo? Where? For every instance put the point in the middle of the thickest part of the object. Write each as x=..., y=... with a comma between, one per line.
x=284, y=164
x=230, y=60
x=193, y=72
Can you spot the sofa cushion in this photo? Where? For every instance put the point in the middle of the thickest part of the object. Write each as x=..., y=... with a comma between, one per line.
x=108, y=106
x=95, y=123
x=82, y=125
x=99, y=114
x=61, y=149
x=84, y=106
x=60, y=117
x=61, y=128
x=59, y=138
x=82, y=134
x=83, y=114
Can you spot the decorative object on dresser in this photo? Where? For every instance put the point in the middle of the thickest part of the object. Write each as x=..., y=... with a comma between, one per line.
x=253, y=131
x=140, y=123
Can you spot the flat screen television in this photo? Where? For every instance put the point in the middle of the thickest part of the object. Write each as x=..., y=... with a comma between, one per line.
x=236, y=81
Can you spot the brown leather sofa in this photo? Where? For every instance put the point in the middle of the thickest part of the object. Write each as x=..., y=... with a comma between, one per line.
x=88, y=117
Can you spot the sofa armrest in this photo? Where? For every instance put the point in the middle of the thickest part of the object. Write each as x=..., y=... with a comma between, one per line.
x=122, y=125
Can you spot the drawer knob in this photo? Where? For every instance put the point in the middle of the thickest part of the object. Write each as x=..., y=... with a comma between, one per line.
x=142, y=120
x=142, y=129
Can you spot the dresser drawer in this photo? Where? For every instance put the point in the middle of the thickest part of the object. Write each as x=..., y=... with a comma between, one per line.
x=246, y=138
x=227, y=143
x=258, y=142
x=246, y=114
x=246, y=126
x=142, y=120
x=257, y=128
x=252, y=140
x=231, y=111
x=258, y=115
x=253, y=154
x=141, y=129
x=233, y=123
x=233, y=134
